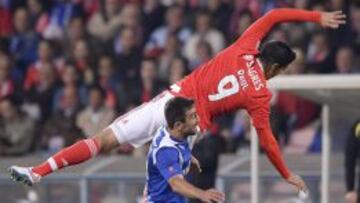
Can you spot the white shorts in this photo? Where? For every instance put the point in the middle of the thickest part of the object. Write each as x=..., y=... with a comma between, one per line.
x=139, y=125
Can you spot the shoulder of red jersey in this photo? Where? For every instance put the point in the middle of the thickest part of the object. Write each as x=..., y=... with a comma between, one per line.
x=245, y=47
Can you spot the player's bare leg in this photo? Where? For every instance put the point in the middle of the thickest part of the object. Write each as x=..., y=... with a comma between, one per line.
x=77, y=153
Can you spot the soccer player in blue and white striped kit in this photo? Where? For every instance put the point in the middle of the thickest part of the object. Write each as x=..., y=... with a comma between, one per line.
x=169, y=158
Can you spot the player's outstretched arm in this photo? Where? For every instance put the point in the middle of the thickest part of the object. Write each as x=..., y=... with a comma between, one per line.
x=258, y=30
x=272, y=150
x=180, y=185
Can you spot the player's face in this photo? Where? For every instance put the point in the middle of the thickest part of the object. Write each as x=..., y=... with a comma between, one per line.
x=191, y=122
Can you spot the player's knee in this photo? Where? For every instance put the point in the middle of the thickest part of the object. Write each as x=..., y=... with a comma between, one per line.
x=106, y=140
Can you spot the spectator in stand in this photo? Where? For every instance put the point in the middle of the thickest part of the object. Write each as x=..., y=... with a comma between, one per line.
x=39, y=97
x=7, y=85
x=75, y=32
x=84, y=61
x=221, y=13
x=81, y=56
x=45, y=57
x=153, y=16
x=341, y=36
x=149, y=85
x=16, y=129
x=24, y=41
x=204, y=32
x=178, y=70
x=38, y=18
x=131, y=17
x=96, y=115
x=59, y=17
x=70, y=77
x=105, y=23
x=297, y=35
x=171, y=50
x=203, y=54
x=174, y=25
x=60, y=130
x=319, y=55
x=344, y=61
x=239, y=23
x=107, y=80
x=128, y=54
x=90, y=7
x=5, y=19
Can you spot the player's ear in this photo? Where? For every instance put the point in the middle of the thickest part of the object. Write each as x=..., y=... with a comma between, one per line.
x=178, y=125
x=273, y=70
x=275, y=67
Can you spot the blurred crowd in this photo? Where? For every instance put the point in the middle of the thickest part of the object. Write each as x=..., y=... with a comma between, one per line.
x=69, y=67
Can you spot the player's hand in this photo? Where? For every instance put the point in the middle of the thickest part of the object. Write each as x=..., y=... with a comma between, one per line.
x=196, y=163
x=332, y=19
x=351, y=197
x=212, y=195
x=298, y=182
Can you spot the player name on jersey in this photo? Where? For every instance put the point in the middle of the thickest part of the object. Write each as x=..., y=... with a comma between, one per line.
x=253, y=74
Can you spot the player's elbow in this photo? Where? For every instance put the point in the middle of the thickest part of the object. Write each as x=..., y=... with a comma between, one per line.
x=270, y=13
x=175, y=183
x=275, y=11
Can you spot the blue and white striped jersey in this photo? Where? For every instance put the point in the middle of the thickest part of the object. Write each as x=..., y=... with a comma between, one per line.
x=167, y=157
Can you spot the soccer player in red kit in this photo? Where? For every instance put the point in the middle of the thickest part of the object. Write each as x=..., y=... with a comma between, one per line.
x=234, y=79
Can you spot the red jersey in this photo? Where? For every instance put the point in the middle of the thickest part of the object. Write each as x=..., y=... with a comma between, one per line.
x=234, y=79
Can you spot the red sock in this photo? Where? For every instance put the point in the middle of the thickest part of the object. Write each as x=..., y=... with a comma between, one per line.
x=77, y=153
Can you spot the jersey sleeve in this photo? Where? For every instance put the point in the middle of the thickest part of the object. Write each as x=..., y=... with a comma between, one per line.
x=251, y=38
x=259, y=110
x=168, y=162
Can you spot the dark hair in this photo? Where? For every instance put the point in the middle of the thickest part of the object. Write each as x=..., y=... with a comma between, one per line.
x=105, y=56
x=174, y=7
x=183, y=60
x=15, y=102
x=277, y=52
x=204, y=12
x=175, y=110
x=97, y=87
x=207, y=45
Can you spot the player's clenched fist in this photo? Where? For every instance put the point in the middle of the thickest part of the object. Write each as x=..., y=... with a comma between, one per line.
x=332, y=19
x=212, y=195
